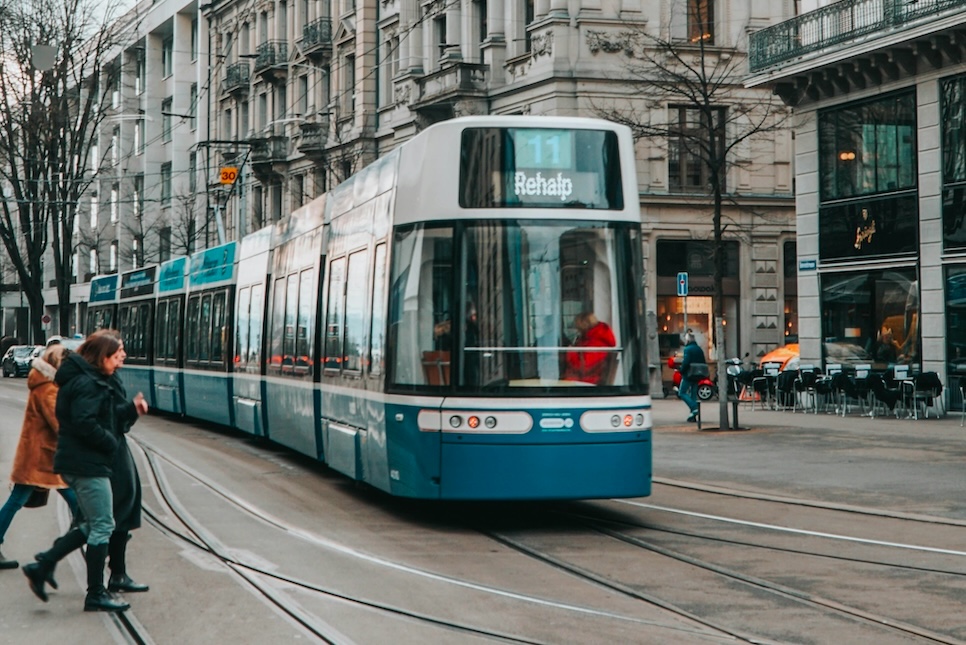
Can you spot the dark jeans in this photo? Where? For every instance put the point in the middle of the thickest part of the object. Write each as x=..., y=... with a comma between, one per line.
x=687, y=393
x=19, y=496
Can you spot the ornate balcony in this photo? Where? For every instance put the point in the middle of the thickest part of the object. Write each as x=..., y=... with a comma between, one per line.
x=313, y=138
x=317, y=39
x=846, y=21
x=271, y=59
x=439, y=92
x=851, y=45
x=237, y=78
x=269, y=155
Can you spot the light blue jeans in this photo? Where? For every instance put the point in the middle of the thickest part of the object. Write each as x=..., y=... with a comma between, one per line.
x=19, y=496
x=96, y=501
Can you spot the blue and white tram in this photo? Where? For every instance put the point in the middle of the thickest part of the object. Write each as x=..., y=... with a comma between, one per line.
x=417, y=327
x=454, y=269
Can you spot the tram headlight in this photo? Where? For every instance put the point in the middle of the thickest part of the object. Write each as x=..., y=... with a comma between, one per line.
x=639, y=419
x=615, y=421
x=490, y=422
x=455, y=421
x=473, y=422
x=628, y=419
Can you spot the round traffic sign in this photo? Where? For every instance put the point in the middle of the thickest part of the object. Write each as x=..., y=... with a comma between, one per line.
x=46, y=319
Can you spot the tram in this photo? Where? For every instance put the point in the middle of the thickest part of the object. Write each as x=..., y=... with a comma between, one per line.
x=461, y=320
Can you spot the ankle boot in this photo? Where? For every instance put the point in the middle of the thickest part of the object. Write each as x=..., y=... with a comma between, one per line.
x=63, y=546
x=37, y=574
x=117, y=550
x=7, y=564
x=97, y=597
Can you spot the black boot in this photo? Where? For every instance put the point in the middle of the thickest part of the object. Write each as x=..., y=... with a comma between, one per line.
x=97, y=597
x=7, y=564
x=117, y=550
x=63, y=546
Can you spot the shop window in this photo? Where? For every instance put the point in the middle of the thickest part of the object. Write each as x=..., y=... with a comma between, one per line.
x=868, y=148
x=955, y=323
x=869, y=228
x=871, y=317
x=953, y=109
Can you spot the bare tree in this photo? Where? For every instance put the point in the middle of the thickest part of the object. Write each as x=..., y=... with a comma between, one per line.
x=56, y=58
x=687, y=95
x=180, y=228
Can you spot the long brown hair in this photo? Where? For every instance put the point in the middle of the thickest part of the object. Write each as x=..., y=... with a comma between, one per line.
x=99, y=346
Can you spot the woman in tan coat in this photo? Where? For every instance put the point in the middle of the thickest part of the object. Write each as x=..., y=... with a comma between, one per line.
x=33, y=465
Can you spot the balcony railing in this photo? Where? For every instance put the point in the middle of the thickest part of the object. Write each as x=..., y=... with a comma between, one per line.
x=270, y=54
x=317, y=33
x=840, y=22
x=237, y=76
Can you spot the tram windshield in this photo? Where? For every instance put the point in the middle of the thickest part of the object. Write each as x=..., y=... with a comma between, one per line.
x=505, y=306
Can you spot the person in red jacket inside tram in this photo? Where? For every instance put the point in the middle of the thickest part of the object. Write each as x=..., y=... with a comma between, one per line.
x=589, y=367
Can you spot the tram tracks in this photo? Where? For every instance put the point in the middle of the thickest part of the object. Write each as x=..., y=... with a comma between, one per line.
x=262, y=580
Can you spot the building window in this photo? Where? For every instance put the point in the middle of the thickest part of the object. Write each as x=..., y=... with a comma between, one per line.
x=298, y=191
x=164, y=244
x=138, y=197
x=868, y=148
x=790, y=273
x=262, y=111
x=193, y=105
x=94, y=206
x=114, y=203
x=701, y=21
x=243, y=117
x=167, y=54
x=139, y=137
x=227, y=123
x=303, y=97
x=116, y=146
x=93, y=261
x=192, y=172
x=953, y=120
x=955, y=322
x=139, y=77
x=871, y=317
x=696, y=140
x=258, y=214
x=194, y=39
x=166, y=120
x=112, y=259
x=166, y=183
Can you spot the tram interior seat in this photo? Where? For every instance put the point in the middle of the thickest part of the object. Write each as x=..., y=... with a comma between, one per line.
x=436, y=367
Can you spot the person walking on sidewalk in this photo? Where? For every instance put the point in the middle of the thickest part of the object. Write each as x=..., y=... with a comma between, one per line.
x=33, y=464
x=693, y=368
x=93, y=412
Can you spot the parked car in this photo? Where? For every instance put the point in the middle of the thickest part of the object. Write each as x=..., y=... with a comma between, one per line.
x=16, y=362
x=69, y=343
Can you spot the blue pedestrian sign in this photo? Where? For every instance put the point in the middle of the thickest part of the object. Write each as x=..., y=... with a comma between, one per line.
x=683, y=283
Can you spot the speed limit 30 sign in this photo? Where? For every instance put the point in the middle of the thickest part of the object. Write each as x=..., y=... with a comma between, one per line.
x=228, y=175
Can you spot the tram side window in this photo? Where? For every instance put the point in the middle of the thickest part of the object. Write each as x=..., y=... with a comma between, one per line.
x=333, y=315
x=241, y=336
x=255, y=331
x=133, y=321
x=377, y=338
x=355, y=311
x=194, y=311
x=219, y=321
x=168, y=330
x=277, y=330
x=288, y=345
x=420, y=317
x=303, y=338
x=203, y=330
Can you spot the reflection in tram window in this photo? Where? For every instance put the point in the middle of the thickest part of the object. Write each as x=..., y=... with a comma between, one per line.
x=520, y=286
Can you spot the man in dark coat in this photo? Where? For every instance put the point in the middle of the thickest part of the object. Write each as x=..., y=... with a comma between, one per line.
x=693, y=355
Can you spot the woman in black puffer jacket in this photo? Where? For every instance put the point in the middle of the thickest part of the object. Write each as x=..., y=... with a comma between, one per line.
x=93, y=458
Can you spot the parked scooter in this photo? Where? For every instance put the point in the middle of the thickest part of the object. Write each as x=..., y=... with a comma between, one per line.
x=706, y=388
